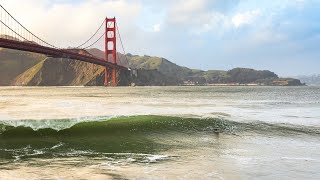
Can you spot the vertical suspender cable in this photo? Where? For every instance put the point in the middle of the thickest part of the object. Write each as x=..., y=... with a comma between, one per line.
x=30, y=33
x=124, y=52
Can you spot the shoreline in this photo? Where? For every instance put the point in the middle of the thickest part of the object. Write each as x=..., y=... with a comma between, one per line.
x=207, y=85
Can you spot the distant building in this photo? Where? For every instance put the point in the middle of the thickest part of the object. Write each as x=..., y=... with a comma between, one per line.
x=189, y=83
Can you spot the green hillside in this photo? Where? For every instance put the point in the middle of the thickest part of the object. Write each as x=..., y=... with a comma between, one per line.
x=181, y=75
x=162, y=65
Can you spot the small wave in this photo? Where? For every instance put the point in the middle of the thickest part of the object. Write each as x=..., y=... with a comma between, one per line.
x=298, y=159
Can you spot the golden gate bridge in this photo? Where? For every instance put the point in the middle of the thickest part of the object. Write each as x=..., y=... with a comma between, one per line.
x=16, y=36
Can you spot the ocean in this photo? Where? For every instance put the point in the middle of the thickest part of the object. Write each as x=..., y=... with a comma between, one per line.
x=160, y=133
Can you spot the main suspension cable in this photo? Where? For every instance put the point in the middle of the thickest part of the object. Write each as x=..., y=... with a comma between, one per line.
x=27, y=29
x=94, y=42
x=108, y=25
x=13, y=30
x=92, y=35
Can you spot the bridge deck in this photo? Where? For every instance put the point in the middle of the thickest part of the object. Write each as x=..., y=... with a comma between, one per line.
x=57, y=53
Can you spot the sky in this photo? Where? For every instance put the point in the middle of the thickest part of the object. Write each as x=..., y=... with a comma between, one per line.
x=279, y=35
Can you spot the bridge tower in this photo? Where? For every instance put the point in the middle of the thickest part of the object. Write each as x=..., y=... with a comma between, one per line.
x=111, y=51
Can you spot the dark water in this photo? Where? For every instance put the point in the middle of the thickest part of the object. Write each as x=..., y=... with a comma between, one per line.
x=163, y=133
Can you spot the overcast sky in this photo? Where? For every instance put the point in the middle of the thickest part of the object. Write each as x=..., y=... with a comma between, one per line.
x=279, y=35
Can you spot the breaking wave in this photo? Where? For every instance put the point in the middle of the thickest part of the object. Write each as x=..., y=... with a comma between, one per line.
x=134, y=134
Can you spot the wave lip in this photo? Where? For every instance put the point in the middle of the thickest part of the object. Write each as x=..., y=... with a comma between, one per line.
x=55, y=124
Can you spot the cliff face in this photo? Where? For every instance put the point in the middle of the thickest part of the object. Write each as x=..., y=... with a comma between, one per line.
x=13, y=63
x=66, y=72
x=59, y=72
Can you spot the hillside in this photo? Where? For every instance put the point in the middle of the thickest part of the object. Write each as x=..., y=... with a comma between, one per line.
x=59, y=72
x=13, y=63
x=22, y=68
x=187, y=76
x=162, y=65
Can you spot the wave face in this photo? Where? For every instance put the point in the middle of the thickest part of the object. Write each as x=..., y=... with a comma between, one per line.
x=135, y=134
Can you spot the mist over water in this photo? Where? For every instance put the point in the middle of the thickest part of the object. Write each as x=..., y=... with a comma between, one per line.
x=160, y=132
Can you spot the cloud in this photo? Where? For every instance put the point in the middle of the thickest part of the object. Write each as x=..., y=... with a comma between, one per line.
x=157, y=28
x=245, y=18
x=186, y=11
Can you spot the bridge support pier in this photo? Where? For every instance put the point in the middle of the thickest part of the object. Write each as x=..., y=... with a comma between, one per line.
x=111, y=50
x=106, y=76
x=110, y=76
x=114, y=77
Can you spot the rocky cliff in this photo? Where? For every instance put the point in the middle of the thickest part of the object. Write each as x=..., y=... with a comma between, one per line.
x=59, y=72
x=13, y=63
